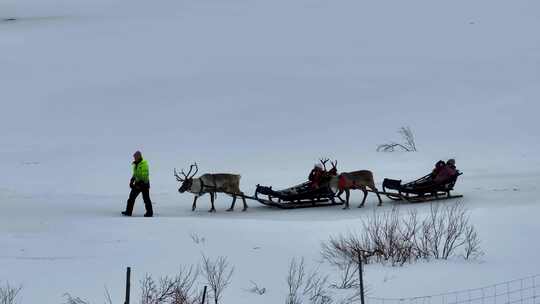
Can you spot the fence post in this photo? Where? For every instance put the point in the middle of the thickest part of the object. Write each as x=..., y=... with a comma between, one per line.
x=361, y=276
x=204, y=294
x=128, y=284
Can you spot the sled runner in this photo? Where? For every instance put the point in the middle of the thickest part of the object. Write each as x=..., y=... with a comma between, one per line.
x=421, y=190
x=300, y=196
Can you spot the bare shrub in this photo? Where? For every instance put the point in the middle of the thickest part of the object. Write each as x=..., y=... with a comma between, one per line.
x=472, y=244
x=447, y=229
x=304, y=287
x=385, y=238
x=408, y=136
x=295, y=280
x=316, y=289
x=388, y=237
x=171, y=290
x=9, y=294
x=218, y=274
x=256, y=289
x=74, y=300
x=456, y=225
x=347, y=276
x=108, y=299
x=339, y=252
x=197, y=238
x=408, y=144
x=354, y=297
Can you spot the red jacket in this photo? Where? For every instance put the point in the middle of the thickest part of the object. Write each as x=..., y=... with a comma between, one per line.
x=315, y=177
x=445, y=173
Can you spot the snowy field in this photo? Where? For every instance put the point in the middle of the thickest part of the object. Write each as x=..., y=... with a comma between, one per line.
x=261, y=88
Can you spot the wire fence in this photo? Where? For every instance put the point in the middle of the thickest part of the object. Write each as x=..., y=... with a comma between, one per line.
x=520, y=291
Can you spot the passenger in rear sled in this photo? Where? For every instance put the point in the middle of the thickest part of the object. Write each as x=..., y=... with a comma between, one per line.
x=442, y=173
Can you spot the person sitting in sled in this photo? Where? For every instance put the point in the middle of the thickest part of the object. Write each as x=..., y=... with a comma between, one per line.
x=438, y=167
x=315, y=176
x=447, y=172
x=441, y=173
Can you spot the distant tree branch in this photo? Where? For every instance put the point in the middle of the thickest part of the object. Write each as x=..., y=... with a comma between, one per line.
x=408, y=145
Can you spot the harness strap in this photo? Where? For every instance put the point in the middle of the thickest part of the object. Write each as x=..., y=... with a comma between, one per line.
x=202, y=187
x=214, y=187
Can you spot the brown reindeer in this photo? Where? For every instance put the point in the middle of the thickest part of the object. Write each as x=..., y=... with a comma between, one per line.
x=356, y=180
x=211, y=184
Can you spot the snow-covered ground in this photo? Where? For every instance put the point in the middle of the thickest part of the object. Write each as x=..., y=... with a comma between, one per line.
x=262, y=88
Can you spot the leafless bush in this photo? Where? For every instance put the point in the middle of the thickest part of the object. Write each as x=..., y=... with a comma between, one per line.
x=447, y=229
x=218, y=274
x=407, y=145
x=303, y=287
x=354, y=297
x=347, y=276
x=171, y=290
x=316, y=289
x=9, y=294
x=76, y=300
x=408, y=136
x=108, y=299
x=388, y=237
x=197, y=239
x=295, y=280
x=472, y=244
x=256, y=289
x=338, y=252
x=385, y=238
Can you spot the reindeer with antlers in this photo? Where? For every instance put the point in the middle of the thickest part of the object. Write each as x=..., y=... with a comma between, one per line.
x=347, y=181
x=211, y=184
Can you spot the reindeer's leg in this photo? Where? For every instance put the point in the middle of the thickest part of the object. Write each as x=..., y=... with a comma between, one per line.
x=233, y=202
x=194, y=203
x=347, y=197
x=364, y=199
x=378, y=195
x=339, y=196
x=212, y=198
x=244, y=201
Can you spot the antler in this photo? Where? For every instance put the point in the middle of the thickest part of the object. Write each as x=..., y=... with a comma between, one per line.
x=188, y=175
x=323, y=162
x=334, y=164
x=196, y=169
x=178, y=178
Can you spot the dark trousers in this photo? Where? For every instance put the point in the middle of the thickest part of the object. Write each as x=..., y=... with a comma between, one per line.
x=145, y=190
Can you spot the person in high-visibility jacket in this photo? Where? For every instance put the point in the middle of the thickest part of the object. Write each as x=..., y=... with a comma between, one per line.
x=139, y=183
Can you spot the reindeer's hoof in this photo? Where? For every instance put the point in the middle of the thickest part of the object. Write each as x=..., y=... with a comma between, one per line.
x=379, y=204
x=192, y=209
x=244, y=210
x=360, y=206
x=230, y=209
x=346, y=208
x=212, y=210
